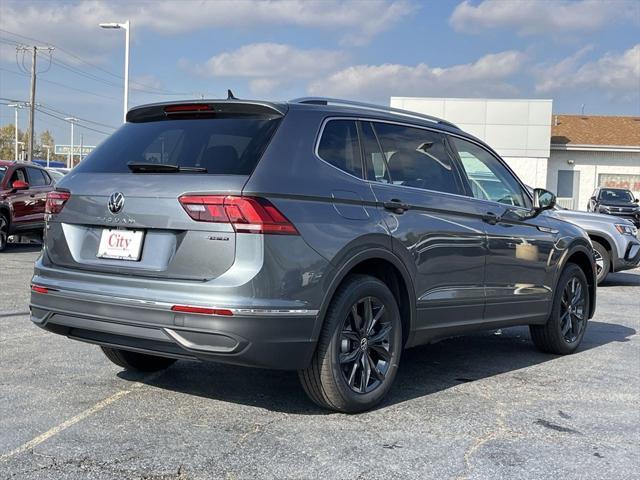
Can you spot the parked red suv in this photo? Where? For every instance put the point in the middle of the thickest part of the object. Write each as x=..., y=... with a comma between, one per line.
x=23, y=194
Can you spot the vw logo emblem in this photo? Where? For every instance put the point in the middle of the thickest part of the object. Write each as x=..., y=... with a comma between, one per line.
x=116, y=202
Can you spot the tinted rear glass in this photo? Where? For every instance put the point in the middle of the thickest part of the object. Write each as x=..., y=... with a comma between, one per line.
x=230, y=146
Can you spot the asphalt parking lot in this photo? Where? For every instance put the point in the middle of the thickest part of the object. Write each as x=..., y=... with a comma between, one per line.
x=482, y=406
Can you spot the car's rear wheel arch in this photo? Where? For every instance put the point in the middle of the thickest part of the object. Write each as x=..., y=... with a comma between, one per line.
x=389, y=269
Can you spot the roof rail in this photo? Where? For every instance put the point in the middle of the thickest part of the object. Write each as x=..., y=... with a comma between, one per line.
x=371, y=106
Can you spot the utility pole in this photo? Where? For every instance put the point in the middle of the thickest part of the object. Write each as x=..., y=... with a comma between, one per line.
x=32, y=102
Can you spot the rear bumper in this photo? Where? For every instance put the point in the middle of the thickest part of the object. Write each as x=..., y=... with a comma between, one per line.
x=273, y=338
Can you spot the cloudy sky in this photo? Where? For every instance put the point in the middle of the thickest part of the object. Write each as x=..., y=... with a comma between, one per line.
x=575, y=52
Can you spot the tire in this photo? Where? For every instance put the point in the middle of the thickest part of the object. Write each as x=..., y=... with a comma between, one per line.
x=549, y=337
x=140, y=362
x=337, y=377
x=603, y=261
x=4, y=231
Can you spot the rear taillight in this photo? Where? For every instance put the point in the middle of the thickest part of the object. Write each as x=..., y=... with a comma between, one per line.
x=55, y=201
x=246, y=214
x=39, y=289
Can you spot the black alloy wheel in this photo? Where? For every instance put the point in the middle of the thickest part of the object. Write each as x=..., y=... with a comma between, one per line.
x=365, y=345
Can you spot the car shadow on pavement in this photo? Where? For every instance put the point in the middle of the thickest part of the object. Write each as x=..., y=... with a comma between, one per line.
x=621, y=279
x=424, y=370
x=22, y=247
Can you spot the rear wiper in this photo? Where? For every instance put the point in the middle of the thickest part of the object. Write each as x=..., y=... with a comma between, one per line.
x=137, y=167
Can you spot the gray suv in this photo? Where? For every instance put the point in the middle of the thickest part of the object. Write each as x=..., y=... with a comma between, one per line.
x=317, y=235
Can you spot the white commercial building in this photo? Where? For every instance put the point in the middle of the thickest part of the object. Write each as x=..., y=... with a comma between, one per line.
x=567, y=154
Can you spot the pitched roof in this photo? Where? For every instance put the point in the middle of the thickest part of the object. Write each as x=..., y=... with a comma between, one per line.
x=595, y=130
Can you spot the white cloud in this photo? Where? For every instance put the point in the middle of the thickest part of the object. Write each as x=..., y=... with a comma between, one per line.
x=529, y=17
x=615, y=74
x=75, y=25
x=488, y=76
x=269, y=65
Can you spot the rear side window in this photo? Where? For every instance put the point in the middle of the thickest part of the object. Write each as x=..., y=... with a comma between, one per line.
x=229, y=146
x=340, y=147
x=418, y=158
x=3, y=170
x=36, y=177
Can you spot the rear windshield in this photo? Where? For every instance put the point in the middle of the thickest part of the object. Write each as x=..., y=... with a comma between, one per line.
x=229, y=146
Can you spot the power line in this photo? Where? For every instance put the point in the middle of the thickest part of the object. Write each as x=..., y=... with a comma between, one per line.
x=47, y=110
x=75, y=116
x=142, y=87
x=75, y=89
x=77, y=122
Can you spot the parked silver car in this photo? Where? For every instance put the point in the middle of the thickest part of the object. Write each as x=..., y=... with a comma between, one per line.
x=615, y=240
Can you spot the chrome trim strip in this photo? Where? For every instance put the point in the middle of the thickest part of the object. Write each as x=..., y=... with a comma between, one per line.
x=153, y=304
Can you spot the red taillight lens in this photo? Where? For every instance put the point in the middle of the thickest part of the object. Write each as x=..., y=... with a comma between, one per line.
x=201, y=310
x=39, y=289
x=246, y=214
x=55, y=201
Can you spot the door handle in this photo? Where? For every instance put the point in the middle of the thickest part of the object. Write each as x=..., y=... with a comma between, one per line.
x=396, y=206
x=491, y=218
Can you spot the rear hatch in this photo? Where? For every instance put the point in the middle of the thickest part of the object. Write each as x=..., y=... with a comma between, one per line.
x=121, y=211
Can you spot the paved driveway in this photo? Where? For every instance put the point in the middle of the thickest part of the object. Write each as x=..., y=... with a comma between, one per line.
x=483, y=406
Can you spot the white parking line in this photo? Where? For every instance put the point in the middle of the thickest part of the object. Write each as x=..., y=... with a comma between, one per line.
x=78, y=418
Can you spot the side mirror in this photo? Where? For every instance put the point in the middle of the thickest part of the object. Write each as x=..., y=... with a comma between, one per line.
x=594, y=199
x=20, y=185
x=543, y=200
x=636, y=200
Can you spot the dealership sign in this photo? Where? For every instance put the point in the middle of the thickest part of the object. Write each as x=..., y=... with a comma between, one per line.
x=65, y=149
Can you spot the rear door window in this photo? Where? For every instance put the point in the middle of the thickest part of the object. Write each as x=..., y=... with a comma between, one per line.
x=340, y=147
x=229, y=145
x=36, y=177
x=418, y=158
x=18, y=174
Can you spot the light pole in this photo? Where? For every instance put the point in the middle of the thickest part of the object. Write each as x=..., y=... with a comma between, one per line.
x=72, y=121
x=16, y=106
x=127, y=27
x=21, y=150
x=48, y=147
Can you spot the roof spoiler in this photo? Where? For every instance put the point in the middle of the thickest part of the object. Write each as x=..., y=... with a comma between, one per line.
x=205, y=109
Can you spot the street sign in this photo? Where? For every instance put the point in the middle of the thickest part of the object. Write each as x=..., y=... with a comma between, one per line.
x=65, y=149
